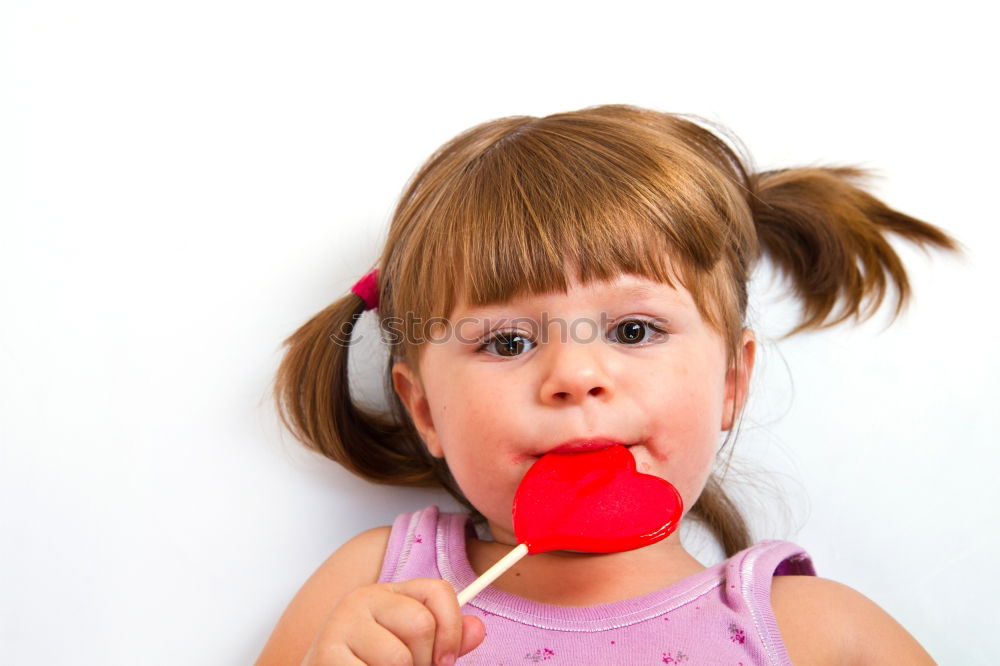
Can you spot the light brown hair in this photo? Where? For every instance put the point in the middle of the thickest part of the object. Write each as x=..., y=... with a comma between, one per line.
x=517, y=205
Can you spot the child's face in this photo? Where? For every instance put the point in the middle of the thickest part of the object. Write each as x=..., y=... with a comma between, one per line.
x=492, y=408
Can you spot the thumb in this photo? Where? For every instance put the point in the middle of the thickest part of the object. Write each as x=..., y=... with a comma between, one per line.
x=473, y=633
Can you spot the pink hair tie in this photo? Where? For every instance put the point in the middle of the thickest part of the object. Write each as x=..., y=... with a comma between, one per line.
x=367, y=289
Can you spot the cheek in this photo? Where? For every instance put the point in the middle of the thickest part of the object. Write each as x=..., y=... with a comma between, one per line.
x=467, y=421
x=696, y=466
x=470, y=430
x=689, y=422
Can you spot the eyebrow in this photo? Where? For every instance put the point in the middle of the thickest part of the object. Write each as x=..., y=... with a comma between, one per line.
x=637, y=291
x=641, y=291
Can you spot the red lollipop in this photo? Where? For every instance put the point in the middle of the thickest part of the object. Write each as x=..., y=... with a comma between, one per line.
x=593, y=502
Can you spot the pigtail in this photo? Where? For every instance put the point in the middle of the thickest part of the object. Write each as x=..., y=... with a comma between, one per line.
x=313, y=399
x=723, y=518
x=828, y=236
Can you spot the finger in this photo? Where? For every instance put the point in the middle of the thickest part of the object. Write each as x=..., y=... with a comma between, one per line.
x=473, y=633
x=439, y=597
x=410, y=621
x=354, y=631
x=373, y=644
x=325, y=654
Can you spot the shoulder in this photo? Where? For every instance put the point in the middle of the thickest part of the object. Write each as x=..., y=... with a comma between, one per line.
x=822, y=621
x=353, y=565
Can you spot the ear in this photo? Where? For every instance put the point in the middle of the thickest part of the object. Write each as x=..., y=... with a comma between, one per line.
x=410, y=390
x=738, y=379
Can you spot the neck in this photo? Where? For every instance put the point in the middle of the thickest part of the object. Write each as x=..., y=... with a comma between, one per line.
x=583, y=579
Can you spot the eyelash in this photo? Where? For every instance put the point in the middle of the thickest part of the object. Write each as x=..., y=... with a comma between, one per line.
x=513, y=334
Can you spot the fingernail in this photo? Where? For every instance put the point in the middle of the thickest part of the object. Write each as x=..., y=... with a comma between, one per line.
x=447, y=660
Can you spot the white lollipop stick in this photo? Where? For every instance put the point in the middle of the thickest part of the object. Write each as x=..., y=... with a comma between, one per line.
x=491, y=574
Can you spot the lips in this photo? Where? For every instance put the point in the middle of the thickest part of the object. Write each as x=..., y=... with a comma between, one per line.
x=588, y=444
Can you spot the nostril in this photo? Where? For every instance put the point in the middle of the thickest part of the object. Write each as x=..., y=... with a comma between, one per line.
x=566, y=396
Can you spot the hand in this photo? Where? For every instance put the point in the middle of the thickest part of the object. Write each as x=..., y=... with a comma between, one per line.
x=414, y=623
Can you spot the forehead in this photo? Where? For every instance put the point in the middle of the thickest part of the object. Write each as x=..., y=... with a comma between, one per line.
x=597, y=292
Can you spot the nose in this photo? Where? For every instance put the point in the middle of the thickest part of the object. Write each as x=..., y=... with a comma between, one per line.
x=576, y=372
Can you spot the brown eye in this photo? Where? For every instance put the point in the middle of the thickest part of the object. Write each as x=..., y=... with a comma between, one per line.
x=637, y=331
x=506, y=344
x=630, y=331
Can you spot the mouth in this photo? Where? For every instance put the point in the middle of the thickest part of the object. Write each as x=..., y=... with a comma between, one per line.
x=589, y=444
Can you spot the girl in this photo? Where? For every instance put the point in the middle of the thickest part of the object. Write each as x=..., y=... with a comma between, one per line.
x=573, y=282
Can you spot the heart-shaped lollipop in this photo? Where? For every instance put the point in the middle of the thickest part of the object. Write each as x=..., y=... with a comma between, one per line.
x=594, y=502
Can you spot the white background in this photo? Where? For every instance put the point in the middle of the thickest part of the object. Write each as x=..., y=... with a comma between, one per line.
x=184, y=183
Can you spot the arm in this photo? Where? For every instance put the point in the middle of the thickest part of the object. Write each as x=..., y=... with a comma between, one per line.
x=342, y=616
x=824, y=622
x=353, y=565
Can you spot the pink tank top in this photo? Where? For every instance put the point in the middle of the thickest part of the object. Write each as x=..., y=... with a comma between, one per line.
x=721, y=615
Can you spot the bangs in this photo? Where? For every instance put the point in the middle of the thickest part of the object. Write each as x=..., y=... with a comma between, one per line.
x=525, y=221
x=545, y=200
